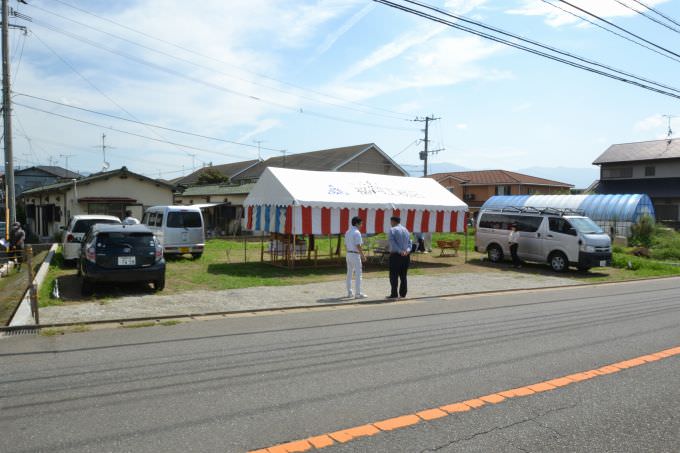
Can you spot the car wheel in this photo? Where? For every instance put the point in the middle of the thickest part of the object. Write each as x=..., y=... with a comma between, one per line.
x=196, y=255
x=558, y=262
x=79, y=272
x=87, y=287
x=158, y=285
x=495, y=253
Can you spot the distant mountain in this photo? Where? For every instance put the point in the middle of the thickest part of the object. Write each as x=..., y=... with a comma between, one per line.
x=579, y=177
x=444, y=167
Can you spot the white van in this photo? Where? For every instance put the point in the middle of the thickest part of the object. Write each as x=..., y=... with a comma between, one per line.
x=558, y=237
x=178, y=228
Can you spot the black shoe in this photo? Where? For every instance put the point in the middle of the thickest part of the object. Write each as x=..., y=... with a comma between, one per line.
x=390, y=297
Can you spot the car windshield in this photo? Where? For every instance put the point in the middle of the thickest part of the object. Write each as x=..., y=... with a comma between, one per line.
x=184, y=219
x=585, y=226
x=83, y=225
x=124, y=239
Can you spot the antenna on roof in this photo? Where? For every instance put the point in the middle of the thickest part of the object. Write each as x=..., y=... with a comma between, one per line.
x=105, y=164
x=669, y=136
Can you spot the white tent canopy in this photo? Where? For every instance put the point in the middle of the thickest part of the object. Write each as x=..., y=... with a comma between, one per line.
x=318, y=202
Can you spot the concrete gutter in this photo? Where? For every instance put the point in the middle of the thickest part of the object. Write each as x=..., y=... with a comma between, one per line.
x=22, y=315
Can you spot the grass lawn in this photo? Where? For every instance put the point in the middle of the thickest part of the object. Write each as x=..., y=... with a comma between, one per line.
x=231, y=264
x=13, y=287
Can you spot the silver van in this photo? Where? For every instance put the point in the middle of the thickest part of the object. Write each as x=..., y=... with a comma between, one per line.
x=178, y=228
x=561, y=238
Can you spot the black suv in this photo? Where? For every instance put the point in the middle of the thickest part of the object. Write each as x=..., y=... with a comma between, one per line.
x=121, y=253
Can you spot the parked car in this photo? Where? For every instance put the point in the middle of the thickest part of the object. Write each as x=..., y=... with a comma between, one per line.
x=546, y=235
x=75, y=231
x=121, y=253
x=179, y=229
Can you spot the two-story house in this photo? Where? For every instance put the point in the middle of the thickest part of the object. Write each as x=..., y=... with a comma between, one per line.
x=652, y=168
x=475, y=187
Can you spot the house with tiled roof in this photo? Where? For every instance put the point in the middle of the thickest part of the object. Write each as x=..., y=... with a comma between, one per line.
x=50, y=207
x=475, y=187
x=651, y=167
x=228, y=171
x=365, y=158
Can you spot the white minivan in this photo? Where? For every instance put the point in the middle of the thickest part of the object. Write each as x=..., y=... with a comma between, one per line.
x=178, y=228
x=558, y=237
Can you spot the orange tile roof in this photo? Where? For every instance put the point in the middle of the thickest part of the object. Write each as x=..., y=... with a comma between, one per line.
x=493, y=177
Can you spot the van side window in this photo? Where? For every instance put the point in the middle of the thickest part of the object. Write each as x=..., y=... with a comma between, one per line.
x=159, y=219
x=559, y=225
x=529, y=224
x=151, y=218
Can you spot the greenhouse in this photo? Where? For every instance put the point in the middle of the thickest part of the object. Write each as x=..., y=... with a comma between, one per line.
x=613, y=213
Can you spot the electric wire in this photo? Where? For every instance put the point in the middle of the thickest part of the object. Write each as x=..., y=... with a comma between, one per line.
x=657, y=12
x=142, y=123
x=619, y=28
x=182, y=75
x=538, y=44
x=648, y=16
x=202, y=55
x=525, y=48
x=554, y=5
x=93, y=86
x=111, y=128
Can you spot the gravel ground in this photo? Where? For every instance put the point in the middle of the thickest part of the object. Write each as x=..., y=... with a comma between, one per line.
x=314, y=294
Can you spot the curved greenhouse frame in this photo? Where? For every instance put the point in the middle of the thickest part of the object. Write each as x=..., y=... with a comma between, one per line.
x=613, y=213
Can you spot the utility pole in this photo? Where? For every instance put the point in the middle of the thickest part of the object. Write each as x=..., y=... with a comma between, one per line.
x=10, y=198
x=193, y=163
x=426, y=141
x=10, y=213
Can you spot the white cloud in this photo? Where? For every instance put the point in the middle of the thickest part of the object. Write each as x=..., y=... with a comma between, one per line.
x=344, y=28
x=654, y=122
x=461, y=126
x=556, y=17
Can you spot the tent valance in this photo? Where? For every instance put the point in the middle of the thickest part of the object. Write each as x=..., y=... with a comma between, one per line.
x=311, y=202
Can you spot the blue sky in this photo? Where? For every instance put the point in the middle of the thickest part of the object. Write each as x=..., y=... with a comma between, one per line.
x=307, y=75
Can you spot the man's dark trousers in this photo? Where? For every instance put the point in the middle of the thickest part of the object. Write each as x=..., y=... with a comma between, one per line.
x=398, y=270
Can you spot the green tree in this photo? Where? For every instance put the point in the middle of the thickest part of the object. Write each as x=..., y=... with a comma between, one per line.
x=643, y=231
x=211, y=176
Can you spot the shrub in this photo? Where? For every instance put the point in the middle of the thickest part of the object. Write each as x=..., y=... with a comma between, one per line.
x=642, y=232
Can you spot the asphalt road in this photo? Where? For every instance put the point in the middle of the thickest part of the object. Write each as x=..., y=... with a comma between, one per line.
x=239, y=384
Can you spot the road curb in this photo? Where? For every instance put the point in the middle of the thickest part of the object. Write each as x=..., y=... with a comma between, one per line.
x=375, y=302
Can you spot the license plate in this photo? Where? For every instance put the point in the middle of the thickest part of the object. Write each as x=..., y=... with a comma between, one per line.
x=126, y=260
x=184, y=249
x=603, y=263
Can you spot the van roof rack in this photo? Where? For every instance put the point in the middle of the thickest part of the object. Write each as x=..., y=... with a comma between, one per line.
x=533, y=210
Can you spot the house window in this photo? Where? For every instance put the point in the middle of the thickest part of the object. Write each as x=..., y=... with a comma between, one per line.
x=502, y=190
x=617, y=172
x=650, y=171
x=114, y=209
x=531, y=191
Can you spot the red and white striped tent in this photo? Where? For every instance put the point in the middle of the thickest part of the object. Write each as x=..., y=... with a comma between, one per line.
x=319, y=202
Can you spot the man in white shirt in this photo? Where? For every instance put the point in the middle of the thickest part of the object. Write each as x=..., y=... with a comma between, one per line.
x=513, y=242
x=355, y=256
x=129, y=220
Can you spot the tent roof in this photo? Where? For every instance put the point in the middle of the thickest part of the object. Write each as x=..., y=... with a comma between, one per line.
x=285, y=187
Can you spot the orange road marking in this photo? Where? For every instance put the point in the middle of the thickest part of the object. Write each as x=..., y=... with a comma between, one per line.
x=349, y=434
x=432, y=414
x=398, y=422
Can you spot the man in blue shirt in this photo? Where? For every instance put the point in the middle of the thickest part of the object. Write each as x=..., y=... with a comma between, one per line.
x=400, y=249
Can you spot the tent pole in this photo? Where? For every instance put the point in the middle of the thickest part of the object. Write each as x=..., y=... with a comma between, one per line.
x=466, y=245
x=292, y=261
x=262, y=247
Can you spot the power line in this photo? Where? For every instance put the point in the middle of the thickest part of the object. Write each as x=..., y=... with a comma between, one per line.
x=142, y=123
x=554, y=5
x=185, y=76
x=525, y=48
x=90, y=83
x=648, y=16
x=619, y=28
x=202, y=55
x=538, y=44
x=657, y=12
x=124, y=132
